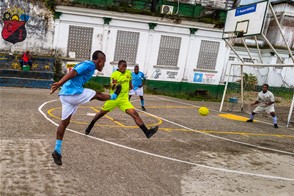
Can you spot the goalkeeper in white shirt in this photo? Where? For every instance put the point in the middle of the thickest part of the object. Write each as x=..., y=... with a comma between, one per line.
x=266, y=101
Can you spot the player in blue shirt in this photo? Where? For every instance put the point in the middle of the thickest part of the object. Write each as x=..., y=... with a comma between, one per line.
x=138, y=79
x=72, y=94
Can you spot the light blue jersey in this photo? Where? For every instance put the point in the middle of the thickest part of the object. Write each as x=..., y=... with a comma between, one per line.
x=137, y=79
x=75, y=85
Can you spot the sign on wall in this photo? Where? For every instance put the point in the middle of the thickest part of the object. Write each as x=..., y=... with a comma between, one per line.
x=198, y=77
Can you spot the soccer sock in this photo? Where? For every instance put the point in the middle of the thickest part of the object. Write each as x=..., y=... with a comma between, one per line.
x=113, y=96
x=142, y=102
x=144, y=129
x=275, y=119
x=251, y=116
x=58, y=146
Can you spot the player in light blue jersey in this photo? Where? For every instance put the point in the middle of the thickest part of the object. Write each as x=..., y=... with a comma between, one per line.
x=138, y=79
x=72, y=94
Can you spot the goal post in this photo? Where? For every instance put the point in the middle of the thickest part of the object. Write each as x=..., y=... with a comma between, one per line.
x=249, y=21
x=258, y=65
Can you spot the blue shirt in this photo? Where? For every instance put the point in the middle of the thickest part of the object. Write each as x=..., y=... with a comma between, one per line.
x=137, y=79
x=75, y=85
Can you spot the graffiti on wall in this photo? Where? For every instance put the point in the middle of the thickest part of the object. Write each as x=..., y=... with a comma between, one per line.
x=156, y=73
x=171, y=74
x=14, y=25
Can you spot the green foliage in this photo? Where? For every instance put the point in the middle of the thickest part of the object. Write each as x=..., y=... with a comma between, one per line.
x=94, y=86
x=249, y=81
x=50, y=4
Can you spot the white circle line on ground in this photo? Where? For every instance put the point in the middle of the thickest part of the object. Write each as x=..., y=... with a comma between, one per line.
x=164, y=157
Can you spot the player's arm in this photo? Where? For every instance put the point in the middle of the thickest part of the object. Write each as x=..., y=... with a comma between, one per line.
x=143, y=80
x=256, y=102
x=73, y=73
x=113, y=81
x=272, y=100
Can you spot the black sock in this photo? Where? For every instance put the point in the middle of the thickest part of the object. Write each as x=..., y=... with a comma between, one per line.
x=144, y=129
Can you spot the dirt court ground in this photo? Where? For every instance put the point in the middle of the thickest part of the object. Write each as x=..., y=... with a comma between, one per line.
x=219, y=154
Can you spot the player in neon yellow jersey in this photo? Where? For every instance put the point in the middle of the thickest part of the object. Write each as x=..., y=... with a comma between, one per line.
x=124, y=77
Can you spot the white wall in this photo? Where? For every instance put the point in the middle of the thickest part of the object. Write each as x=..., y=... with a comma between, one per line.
x=272, y=76
x=104, y=38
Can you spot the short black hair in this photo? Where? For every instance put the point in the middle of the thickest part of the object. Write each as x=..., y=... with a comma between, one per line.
x=121, y=61
x=136, y=66
x=265, y=85
x=97, y=54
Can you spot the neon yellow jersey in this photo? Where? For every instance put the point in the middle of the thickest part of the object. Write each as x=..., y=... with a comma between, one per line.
x=123, y=79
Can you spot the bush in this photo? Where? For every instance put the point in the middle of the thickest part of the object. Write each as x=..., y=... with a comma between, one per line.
x=94, y=86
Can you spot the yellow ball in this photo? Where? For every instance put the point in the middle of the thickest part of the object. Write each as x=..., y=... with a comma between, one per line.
x=203, y=111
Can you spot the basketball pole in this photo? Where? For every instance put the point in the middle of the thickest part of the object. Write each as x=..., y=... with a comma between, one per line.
x=226, y=85
x=225, y=90
x=271, y=46
x=280, y=29
x=247, y=49
x=290, y=112
x=242, y=88
x=258, y=49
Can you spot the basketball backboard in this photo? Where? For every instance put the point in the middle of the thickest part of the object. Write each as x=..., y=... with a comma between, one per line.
x=245, y=20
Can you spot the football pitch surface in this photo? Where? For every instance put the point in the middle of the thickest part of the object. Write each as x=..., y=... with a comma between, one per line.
x=219, y=154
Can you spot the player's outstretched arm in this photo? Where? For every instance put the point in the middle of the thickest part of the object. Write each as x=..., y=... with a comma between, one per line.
x=73, y=73
x=256, y=102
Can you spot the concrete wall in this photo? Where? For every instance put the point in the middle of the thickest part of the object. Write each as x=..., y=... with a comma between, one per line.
x=104, y=38
x=38, y=31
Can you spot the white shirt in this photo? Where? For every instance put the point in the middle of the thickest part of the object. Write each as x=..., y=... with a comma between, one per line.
x=264, y=98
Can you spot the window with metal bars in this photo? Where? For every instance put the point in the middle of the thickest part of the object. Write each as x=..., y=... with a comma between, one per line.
x=80, y=41
x=208, y=55
x=126, y=46
x=169, y=50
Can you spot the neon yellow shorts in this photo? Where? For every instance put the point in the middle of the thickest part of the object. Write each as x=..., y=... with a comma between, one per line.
x=123, y=104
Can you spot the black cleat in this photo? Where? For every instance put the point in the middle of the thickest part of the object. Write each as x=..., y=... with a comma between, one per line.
x=143, y=108
x=57, y=157
x=250, y=120
x=276, y=126
x=151, y=132
x=88, y=130
x=117, y=89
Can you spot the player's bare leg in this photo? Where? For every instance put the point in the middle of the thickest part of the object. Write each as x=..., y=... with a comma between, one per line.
x=56, y=154
x=94, y=120
x=104, y=97
x=133, y=113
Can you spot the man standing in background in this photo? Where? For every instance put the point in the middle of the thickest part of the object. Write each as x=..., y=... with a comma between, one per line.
x=138, y=79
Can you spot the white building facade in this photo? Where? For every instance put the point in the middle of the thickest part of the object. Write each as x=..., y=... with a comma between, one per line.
x=191, y=52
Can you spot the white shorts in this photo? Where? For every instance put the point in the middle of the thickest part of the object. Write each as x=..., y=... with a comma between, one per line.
x=70, y=103
x=267, y=109
x=138, y=92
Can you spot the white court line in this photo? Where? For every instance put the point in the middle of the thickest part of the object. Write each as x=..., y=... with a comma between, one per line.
x=167, y=158
x=215, y=136
x=215, y=110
